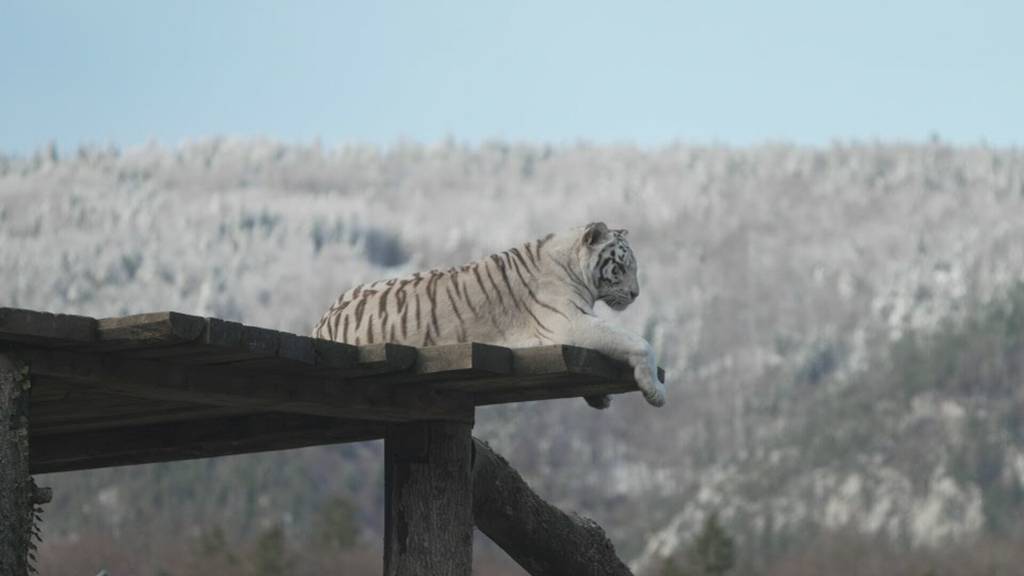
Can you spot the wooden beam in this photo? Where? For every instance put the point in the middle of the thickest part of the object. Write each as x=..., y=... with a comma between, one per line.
x=59, y=420
x=15, y=482
x=193, y=439
x=428, y=521
x=250, y=389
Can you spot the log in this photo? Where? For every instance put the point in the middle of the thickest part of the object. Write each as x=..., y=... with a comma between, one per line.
x=17, y=492
x=428, y=522
x=544, y=540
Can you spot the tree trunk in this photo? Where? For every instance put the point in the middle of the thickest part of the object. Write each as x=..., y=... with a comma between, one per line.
x=16, y=488
x=544, y=540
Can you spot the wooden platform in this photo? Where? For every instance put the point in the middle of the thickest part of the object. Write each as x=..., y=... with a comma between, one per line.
x=169, y=386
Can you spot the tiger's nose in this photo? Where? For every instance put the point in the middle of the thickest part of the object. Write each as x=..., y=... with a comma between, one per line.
x=634, y=293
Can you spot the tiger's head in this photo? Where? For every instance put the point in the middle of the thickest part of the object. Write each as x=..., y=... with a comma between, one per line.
x=611, y=264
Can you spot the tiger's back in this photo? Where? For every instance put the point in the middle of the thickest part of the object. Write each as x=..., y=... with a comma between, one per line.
x=493, y=300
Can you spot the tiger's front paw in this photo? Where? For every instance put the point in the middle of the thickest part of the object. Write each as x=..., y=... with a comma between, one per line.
x=652, y=388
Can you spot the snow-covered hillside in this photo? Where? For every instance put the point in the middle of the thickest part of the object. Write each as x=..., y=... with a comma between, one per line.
x=771, y=277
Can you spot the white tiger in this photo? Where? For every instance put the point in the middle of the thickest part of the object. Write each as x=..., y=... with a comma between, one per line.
x=542, y=292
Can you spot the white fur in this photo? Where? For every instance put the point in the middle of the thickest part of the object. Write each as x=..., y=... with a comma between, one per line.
x=563, y=278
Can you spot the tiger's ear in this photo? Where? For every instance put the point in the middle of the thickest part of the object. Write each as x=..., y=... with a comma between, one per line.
x=594, y=233
x=621, y=232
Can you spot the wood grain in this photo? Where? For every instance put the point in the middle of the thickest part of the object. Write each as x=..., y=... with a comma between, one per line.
x=15, y=485
x=428, y=518
x=199, y=438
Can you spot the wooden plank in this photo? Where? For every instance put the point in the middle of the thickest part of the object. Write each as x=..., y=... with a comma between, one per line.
x=296, y=348
x=344, y=362
x=438, y=367
x=568, y=359
x=147, y=331
x=464, y=360
x=251, y=347
x=223, y=333
x=219, y=339
x=259, y=341
x=247, y=389
x=334, y=355
x=546, y=361
x=283, y=353
x=376, y=359
x=231, y=343
x=193, y=439
x=262, y=349
x=428, y=522
x=566, y=371
x=43, y=328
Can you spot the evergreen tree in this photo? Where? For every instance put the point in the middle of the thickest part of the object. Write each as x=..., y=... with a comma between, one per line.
x=270, y=557
x=714, y=550
x=670, y=568
x=338, y=526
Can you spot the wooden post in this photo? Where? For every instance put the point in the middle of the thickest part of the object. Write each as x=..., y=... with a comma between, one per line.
x=428, y=527
x=16, y=488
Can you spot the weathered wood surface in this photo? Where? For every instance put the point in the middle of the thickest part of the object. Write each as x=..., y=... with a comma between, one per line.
x=102, y=410
x=429, y=500
x=15, y=483
x=126, y=375
x=256, y=390
x=544, y=540
x=194, y=439
x=46, y=328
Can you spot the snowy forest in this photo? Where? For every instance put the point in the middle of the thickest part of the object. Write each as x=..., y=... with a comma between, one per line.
x=842, y=328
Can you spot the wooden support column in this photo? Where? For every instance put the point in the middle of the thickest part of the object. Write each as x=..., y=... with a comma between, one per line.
x=429, y=499
x=16, y=488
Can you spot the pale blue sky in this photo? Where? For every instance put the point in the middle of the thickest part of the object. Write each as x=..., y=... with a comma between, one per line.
x=641, y=72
